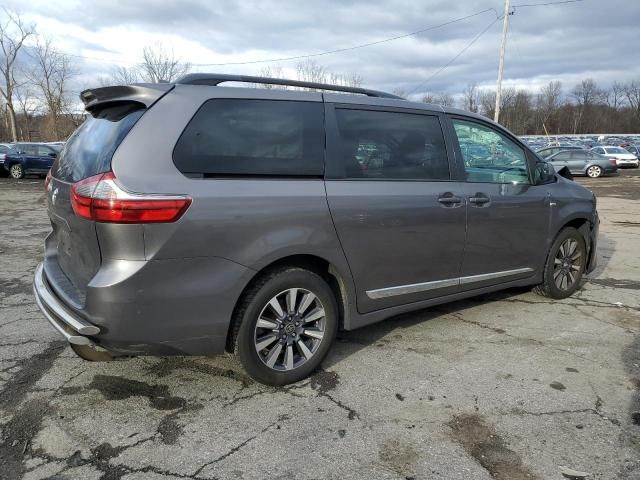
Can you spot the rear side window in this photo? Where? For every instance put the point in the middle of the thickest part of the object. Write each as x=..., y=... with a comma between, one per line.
x=89, y=150
x=391, y=145
x=253, y=137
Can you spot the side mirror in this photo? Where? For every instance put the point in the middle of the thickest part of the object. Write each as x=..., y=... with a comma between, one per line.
x=53, y=154
x=545, y=173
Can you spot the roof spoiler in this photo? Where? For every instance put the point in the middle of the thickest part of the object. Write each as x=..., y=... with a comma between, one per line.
x=144, y=93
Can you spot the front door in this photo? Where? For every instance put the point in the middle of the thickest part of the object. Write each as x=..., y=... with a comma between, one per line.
x=398, y=213
x=507, y=216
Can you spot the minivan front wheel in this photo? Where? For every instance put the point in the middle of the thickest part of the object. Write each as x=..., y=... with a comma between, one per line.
x=16, y=171
x=565, y=265
x=286, y=323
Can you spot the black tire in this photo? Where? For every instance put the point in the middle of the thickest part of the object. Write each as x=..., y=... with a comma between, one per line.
x=549, y=286
x=16, y=171
x=251, y=306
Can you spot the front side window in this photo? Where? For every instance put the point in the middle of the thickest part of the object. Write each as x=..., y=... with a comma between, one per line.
x=562, y=156
x=489, y=156
x=44, y=151
x=391, y=145
x=253, y=137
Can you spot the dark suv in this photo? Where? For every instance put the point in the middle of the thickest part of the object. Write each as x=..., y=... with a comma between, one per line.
x=25, y=158
x=192, y=218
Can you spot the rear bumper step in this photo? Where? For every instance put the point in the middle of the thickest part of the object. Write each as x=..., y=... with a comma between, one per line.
x=70, y=326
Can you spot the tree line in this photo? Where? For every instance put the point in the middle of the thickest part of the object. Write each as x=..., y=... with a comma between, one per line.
x=38, y=103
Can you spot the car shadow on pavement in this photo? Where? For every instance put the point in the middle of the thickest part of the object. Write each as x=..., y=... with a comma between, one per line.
x=350, y=342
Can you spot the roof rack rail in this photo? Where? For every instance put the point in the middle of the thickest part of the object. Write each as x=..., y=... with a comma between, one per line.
x=215, y=79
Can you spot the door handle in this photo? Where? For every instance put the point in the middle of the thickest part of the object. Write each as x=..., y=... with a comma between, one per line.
x=448, y=199
x=479, y=199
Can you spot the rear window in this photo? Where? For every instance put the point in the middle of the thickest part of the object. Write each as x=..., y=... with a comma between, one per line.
x=229, y=137
x=89, y=150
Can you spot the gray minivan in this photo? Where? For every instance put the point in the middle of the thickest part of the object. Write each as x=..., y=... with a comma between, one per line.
x=194, y=218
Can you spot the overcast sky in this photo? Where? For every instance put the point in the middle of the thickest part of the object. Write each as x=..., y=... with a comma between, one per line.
x=568, y=42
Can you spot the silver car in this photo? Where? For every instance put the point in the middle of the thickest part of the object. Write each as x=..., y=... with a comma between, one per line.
x=582, y=162
x=193, y=218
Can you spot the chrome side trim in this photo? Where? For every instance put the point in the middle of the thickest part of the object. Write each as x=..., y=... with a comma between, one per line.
x=491, y=276
x=450, y=282
x=414, y=288
x=57, y=315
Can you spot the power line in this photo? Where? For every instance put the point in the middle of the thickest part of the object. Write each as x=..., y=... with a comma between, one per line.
x=469, y=45
x=319, y=54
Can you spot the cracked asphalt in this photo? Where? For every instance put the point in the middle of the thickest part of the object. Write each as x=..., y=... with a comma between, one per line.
x=505, y=386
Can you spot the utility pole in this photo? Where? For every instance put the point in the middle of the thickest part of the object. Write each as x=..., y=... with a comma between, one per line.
x=503, y=47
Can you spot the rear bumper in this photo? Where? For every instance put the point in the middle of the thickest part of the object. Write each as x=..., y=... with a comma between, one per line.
x=161, y=307
x=73, y=328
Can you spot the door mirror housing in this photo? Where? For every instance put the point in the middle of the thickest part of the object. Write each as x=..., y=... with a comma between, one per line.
x=545, y=173
x=53, y=154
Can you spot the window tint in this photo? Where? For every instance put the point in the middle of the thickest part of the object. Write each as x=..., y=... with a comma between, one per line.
x=89, y=150
x=562, y=156
x=43, y=151
x=489, y=156
x=390, y=145
x=4, y=149
x=27, y=149
x=253, y=137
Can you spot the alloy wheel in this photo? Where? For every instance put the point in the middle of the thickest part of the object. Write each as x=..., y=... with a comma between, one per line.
x=567, y=264
x=594, y=171
x=290, y=329
x=16, y=171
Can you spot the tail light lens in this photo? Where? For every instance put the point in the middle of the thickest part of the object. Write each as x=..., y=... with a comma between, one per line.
x=101, y=199
x=614, y=161
x=47, y=181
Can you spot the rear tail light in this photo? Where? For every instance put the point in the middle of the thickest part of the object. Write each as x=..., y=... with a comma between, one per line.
x=614, y=161
x=47, y=181
x=101, y=199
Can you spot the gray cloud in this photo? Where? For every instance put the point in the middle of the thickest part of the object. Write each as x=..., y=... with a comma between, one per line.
x=565, y=42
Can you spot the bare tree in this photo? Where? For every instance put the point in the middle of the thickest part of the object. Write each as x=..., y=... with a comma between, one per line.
x=632, y=92
x=13, y=33
x=470, y=97
x=160, y=65
x=311, y=71
x=125, y=75
x=548, y=102
x=51, y=74
x=25, y=98
x=615, y=96
x=443, y=99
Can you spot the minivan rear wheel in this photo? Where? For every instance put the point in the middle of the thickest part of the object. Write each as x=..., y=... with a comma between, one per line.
x=565, y=265
x=285, y=323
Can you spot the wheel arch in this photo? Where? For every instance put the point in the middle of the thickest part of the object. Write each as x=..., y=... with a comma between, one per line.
x=336, y=280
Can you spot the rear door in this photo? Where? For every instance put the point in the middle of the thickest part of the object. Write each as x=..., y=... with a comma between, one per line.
x=507, y=216
x=577, y=161
x=398, y=213
x=560, y=160
x=72, y=254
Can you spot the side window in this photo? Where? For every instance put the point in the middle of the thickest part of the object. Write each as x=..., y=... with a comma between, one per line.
x=28, y=149
x=43, y=151
x=562, y=156
x=489, y=156
x=391, y=145
x=4, y=149
x=253, y=137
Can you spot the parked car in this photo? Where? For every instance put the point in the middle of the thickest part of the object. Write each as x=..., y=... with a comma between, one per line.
x=29, y=158
x=633, y=149
x=4, y=148
x=623, y=157
x=580, y=162
x=548, y=151
x=267, y=219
